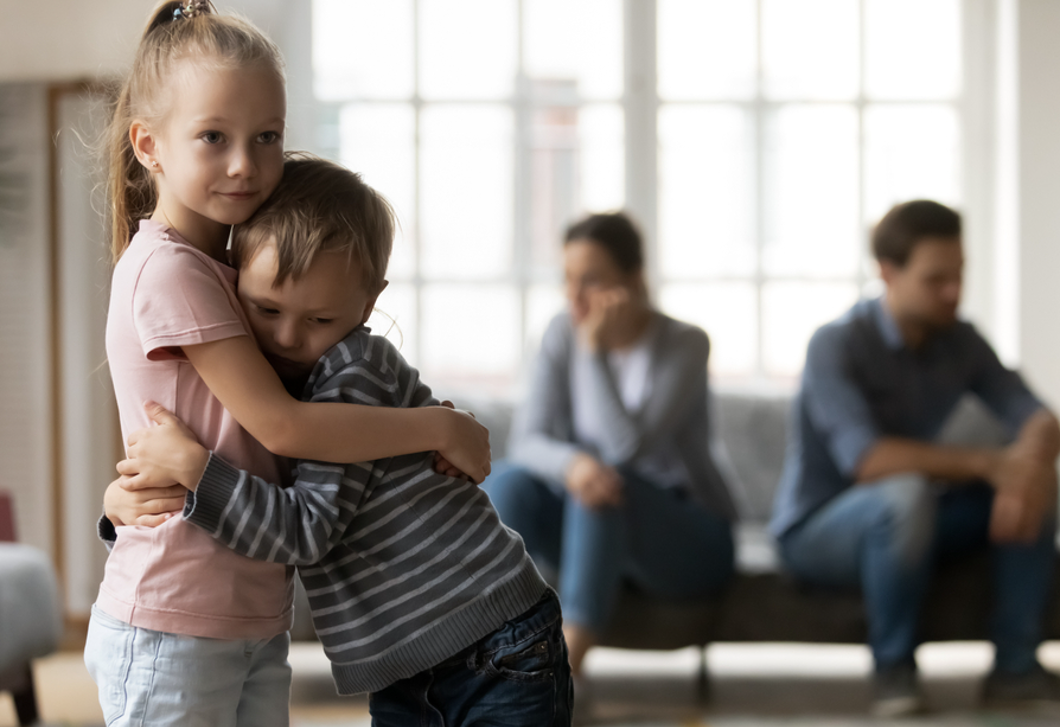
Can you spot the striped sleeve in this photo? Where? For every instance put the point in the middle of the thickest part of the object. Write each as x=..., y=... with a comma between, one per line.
x=298, y=525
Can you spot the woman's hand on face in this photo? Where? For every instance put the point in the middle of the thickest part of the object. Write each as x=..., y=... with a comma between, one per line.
x=610, y=312
x=162, y=455
x=593, y=483
x=146, y=506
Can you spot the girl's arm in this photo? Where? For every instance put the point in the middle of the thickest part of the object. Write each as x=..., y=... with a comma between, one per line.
x=239, y=376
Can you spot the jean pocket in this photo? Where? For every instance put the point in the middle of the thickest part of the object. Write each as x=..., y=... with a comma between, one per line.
x=108, y=659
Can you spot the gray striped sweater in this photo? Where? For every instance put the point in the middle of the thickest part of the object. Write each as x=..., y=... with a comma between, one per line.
x=404, y=567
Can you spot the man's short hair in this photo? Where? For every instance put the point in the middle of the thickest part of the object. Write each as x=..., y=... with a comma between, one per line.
x=318, y=207
x=909, y=223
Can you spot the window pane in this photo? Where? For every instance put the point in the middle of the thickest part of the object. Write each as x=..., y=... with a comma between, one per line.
x=467, y=48
x=579, y=40
x=812, y=192
x=911, y=152
x=728, y=313
x=543, y=302
x=395, y=318
x=466, y=179
x=470, y=337
x=601, y=139
x=810, y=49
x=553, y=178
x=362, y=49
x=707, y=49
x=913, y=48
x=706, y=163
x=379, y=142
x=791, y=312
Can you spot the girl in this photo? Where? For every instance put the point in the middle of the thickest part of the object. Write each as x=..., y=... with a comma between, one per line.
x=184, y=631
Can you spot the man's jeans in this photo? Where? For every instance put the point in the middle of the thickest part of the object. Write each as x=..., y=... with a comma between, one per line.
x=887, y=538
x=660, y=539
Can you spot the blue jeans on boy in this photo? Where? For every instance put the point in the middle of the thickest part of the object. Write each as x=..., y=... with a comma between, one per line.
x=518, y=676
x=887, y=537
x=660, y=539
x=159, y=679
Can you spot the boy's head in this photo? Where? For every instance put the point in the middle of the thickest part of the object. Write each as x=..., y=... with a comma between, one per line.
x=312, y=261
x=918, y=247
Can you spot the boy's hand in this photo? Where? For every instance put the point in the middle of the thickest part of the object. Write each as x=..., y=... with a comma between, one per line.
x=468, y=448
x=165, y=454
x=149, y=507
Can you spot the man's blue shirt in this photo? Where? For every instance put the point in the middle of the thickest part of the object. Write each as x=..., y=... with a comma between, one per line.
x=861, y=383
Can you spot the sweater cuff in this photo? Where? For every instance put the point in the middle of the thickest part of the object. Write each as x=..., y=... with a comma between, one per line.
x=206, y=506
x=106, y=532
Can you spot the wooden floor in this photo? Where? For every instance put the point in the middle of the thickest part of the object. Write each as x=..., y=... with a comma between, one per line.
x=751, y=686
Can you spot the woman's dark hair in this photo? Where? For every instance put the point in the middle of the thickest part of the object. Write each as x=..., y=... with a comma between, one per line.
x=616, y=233
x=909, y=223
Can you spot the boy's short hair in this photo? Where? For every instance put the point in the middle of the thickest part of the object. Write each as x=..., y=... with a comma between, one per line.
x=909, y=223
x=320, y=206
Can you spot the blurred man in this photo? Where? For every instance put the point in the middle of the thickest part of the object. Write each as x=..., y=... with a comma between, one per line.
x=868, y=498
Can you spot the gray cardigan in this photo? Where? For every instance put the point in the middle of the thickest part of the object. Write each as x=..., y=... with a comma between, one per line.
x=672, y=422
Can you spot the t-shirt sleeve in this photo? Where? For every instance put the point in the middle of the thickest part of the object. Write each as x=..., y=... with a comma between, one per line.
x=180, y=301
x=836, y=405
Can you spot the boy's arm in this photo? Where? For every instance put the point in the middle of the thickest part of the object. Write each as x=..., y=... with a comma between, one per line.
x=296, y=525
x=241, y=379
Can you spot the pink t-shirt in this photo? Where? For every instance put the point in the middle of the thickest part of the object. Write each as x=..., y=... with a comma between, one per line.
x=176, y=578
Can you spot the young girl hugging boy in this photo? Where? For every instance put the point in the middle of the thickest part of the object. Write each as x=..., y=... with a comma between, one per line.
x=419, y=594
x=184, y=630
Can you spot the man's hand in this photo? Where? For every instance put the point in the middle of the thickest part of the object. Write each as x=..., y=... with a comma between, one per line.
x=149, y=507
x=1025, y=493
x=593, y=483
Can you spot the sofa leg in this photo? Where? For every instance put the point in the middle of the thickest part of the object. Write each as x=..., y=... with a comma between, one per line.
x=26, y=701
x=703, y=678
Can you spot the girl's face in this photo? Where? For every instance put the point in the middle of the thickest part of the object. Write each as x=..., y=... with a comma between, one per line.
x=219, y=149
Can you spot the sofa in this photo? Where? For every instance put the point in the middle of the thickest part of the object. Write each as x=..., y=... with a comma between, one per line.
x=31, y=623
x=762, y=604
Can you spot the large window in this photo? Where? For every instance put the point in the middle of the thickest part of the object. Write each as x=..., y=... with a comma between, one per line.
x=756, y=141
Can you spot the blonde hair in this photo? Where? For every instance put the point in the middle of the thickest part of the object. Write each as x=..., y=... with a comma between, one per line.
x=174, y=33
x=318, y=207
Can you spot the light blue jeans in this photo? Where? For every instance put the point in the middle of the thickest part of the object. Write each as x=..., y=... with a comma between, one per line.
x=159, y=679
x=887, y=537
x=661, y=540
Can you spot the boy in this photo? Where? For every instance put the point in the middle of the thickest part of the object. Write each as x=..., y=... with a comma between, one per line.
x=419, y=594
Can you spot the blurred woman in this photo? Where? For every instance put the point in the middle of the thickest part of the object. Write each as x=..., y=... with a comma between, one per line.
x=610, y=477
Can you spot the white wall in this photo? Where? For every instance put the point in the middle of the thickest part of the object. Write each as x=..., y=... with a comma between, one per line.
x=1035, y=227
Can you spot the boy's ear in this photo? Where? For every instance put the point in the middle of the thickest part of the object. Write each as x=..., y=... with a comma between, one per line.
x=369, y=305
x=144, y=146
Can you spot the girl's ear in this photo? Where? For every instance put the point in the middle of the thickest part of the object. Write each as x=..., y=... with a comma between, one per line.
x=369, y=305
x=144, y=145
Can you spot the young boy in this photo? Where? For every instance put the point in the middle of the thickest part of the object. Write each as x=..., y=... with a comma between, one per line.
x=419, y=594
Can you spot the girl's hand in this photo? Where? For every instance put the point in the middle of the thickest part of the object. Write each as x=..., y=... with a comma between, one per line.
x=165, y=454
x=593, y=483
x=149, y=507
x=468, y=448
x=443, y=466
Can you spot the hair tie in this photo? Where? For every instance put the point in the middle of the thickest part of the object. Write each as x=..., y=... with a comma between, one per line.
x=191, y=9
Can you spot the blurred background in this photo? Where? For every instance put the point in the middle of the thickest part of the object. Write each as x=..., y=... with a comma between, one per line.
x=755, y=141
